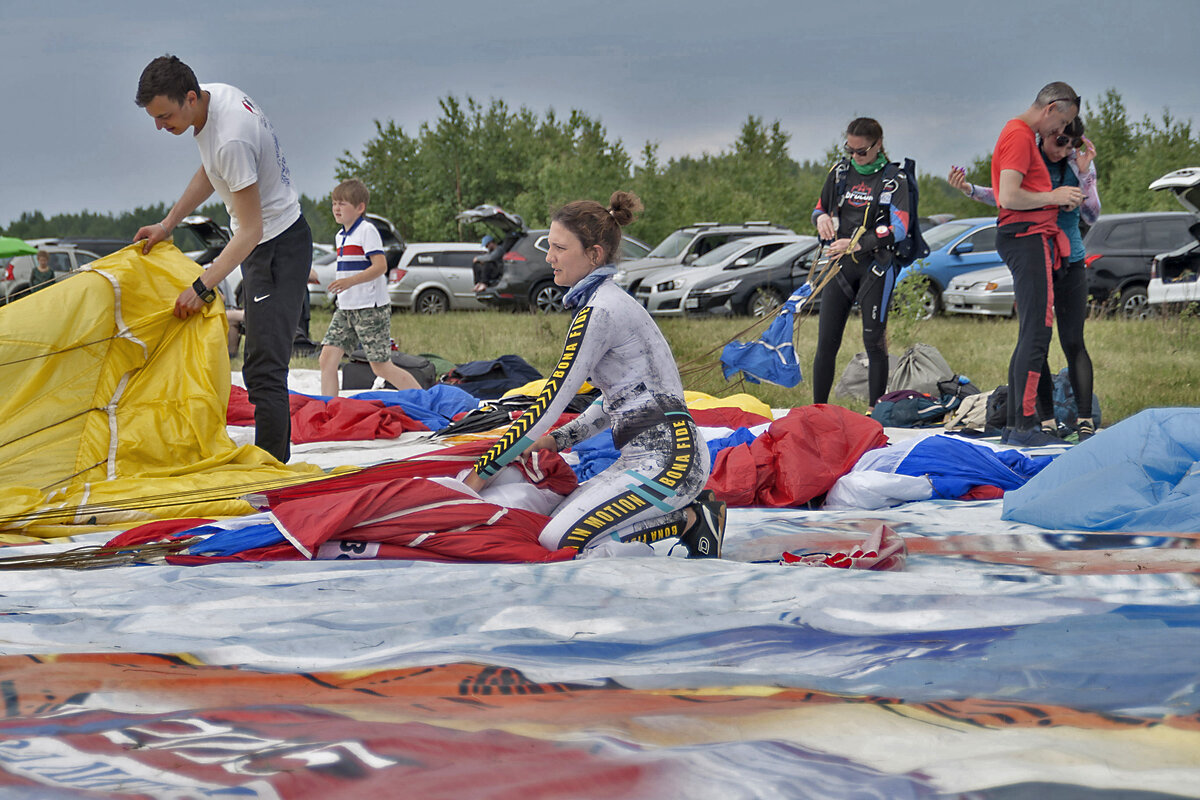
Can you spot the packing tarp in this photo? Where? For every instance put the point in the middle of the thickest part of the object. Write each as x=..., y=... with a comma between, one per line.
x=1142, y=474
x=114, y=410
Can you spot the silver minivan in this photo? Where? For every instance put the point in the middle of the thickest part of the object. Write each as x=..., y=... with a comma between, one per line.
x=436, y=277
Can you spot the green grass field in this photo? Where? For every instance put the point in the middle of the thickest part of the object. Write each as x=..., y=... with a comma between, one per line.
x=1138, y=364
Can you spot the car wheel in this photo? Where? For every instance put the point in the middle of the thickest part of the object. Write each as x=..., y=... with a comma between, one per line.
x=432, y=301
x=763, y=302
x=925, y=295
x=547, y=297
x=1135, y=303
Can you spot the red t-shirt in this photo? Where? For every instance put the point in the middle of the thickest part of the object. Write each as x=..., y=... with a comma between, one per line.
x=1017, y=149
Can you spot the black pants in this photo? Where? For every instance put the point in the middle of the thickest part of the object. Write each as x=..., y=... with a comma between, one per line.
x=274, y=283
x=1070, y=313
x=872, y=286
x=1031, y=261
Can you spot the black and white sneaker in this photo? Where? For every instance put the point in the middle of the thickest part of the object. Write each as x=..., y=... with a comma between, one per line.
x=703, y=539
x=1087, y=429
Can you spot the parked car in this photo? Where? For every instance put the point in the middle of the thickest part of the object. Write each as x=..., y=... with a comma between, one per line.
x=665, y=292
x=985, y=291
x=99, y=246
x=685, y=245
x=955, y=248
x=1175, y=275
x=324, y=268
x=757, y=289
x=435, y=277
x=65, y=260
x=1120, y=249
x=202, y=239
x=527, y=282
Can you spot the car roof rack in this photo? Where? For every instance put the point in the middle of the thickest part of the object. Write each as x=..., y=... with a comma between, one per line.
x=702, y=225
x=750, y=222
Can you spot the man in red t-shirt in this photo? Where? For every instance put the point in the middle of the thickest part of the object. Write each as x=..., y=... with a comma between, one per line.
x=1028, y=239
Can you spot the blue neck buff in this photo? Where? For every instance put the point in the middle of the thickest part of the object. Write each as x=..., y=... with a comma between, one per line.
x=581, y=292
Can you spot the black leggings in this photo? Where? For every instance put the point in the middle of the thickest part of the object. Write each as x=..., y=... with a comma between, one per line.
x=861, y=281
x=1070, y=313
x=1030, y=259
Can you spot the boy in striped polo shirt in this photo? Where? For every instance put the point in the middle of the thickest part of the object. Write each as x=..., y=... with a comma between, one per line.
x=364, y=310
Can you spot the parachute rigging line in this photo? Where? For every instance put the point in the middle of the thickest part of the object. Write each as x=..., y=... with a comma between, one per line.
x=696, y=372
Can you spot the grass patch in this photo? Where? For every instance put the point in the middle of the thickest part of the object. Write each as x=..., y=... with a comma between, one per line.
x=1138, y=364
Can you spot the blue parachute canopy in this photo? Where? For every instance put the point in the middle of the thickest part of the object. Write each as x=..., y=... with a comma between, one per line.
x=1142, y=474
x=773, y=357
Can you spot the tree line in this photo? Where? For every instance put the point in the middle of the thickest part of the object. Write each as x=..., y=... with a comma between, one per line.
x=530, y=164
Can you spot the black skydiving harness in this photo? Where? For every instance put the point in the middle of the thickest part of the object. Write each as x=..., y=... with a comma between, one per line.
x=883, y=255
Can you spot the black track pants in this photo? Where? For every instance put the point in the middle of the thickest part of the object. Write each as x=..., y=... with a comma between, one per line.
x=274, y=283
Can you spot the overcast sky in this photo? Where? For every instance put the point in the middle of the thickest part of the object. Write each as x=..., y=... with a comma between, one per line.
x=942, y=77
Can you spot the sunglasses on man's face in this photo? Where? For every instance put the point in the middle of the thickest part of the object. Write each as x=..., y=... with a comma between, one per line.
x=859, y=151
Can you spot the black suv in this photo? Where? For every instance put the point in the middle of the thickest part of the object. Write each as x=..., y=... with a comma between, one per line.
x=685, y=245
x=1120, y=249
x=527, y=282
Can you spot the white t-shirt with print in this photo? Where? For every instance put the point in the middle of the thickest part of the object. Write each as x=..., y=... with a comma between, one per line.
x=354, y=250
x=238, y=148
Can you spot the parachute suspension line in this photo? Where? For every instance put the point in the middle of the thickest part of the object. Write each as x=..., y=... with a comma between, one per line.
x=183, y=498
x=168, y=500
x=94, y=556
x=696, y=371
x=51, y=425
x=123, y=333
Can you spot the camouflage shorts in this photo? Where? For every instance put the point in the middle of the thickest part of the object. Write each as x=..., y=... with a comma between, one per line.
x=370, y=328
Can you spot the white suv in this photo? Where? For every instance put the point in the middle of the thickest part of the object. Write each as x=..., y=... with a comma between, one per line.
x=435, y=277
x=65, y=260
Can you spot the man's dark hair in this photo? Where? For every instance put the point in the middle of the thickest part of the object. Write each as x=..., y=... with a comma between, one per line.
x=168, y=77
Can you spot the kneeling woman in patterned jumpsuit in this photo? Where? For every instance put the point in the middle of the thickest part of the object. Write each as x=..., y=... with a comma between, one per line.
x=650, y=492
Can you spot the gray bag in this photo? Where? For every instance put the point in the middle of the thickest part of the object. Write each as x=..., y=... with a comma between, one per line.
x=921, y=368
x=854, y=378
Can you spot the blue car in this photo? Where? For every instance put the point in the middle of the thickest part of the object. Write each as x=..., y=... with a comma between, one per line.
x=955, y=247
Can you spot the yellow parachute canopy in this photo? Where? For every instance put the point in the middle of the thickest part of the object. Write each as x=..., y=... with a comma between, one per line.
x=113, y=410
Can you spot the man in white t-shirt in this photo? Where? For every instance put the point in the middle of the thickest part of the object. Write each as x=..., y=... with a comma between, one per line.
x=364, y=310
x=242, y=162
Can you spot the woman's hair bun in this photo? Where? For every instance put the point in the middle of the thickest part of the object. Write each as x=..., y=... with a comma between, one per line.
x=624, y=206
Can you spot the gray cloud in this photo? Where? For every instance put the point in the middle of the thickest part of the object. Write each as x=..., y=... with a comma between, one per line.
x=941, y=76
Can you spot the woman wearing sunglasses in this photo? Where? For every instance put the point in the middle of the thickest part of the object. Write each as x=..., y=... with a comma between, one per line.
x=1069, y=158
x=861, y=213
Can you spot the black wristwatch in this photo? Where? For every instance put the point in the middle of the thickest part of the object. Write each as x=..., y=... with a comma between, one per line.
x=203, y=292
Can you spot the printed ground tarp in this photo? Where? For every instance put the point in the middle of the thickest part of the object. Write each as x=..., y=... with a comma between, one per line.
x=1005, y=661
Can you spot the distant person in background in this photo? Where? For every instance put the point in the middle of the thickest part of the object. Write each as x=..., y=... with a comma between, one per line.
x=364, y=310
x=487, y=267
x=1031, y=243
x=242, y=162
x=1069, y=159
x=42, y=274
x=861, y=229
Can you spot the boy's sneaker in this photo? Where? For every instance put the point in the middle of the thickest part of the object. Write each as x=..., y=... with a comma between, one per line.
x=1031, y=437
x=703, y=539
x=1087, y=429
